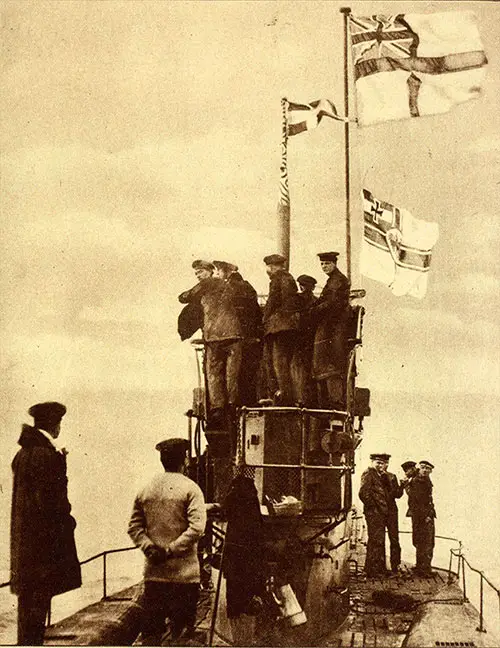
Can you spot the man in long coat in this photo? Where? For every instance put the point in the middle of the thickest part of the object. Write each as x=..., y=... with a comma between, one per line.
x=222, y=335
x=330, y=314
x=168, y=519
x=373, y=494
x=423, y=513
x=44, y=561
x=281, y=322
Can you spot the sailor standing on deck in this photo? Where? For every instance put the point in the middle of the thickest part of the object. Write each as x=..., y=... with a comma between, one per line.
x=373, y=494
x=168, y=519
x=422, y=512
x=394, y=491
x=410, y=470
x=43, y=553
x=281, y=321
x=222, y=335
x=330, y=314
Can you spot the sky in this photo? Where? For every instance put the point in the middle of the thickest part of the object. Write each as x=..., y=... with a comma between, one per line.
x=138, y=136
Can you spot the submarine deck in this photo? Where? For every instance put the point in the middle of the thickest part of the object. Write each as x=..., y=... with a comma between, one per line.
x=438, y=615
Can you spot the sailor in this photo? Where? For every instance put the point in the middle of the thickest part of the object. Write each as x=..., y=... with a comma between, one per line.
x=245, y=301
x=302, y=357
x=281, y=322
x=330, y=314
x=410, y=470
x=422, y=512
x=394, y=490
x=168, y=519
x=222, y=335
x=44, y=561
x=373, y=494
x=191, y=317
x=306, y=296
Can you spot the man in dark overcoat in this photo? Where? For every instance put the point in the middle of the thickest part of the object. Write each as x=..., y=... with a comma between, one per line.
x=222, y=335
x=244, y=298
x=423, y=513
x=281, y=322
x=394, y=491
x=373, y=494
x=330, y=314
x=44, y=561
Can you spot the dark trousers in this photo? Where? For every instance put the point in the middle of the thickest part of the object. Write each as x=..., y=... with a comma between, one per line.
x=252, y=355
x=279, y=349
x=375, y=547
x=423, y=534
x=301, y=372
x=177, y=601
x=223, y=367
x=393, y=533
x=32, y=610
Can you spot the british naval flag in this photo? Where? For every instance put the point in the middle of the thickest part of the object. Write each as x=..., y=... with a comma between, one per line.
x=380, y=37
x=410, y=65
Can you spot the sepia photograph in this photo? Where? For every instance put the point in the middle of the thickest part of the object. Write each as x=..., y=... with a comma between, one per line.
x=249, y=331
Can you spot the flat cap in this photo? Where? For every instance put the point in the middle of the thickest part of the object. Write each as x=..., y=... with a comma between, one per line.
x=408, y=464
x=328, y=256
x=383, y=457
x=274, y=259
x=49, y=411
x=424, y=462
x=173, y=445
x=306, y=280
x=205, y=265
x=225, y=265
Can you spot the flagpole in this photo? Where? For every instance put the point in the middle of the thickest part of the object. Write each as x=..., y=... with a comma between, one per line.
x=284, y=198
x=346, y=11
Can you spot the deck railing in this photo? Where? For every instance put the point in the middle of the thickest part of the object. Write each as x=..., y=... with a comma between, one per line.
x=462, y=562
x=102, y=554
x=460, y=574
x=457, y=553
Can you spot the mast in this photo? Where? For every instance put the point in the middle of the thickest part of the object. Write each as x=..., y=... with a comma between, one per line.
x=284, y=198
x=346, y=11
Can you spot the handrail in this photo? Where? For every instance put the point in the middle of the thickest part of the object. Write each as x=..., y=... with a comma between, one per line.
x=101, y=554
x=462, y=561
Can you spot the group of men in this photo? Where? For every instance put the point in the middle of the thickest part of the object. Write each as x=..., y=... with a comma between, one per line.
x=168, y=519
x=379, y=491
x=300, y=338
